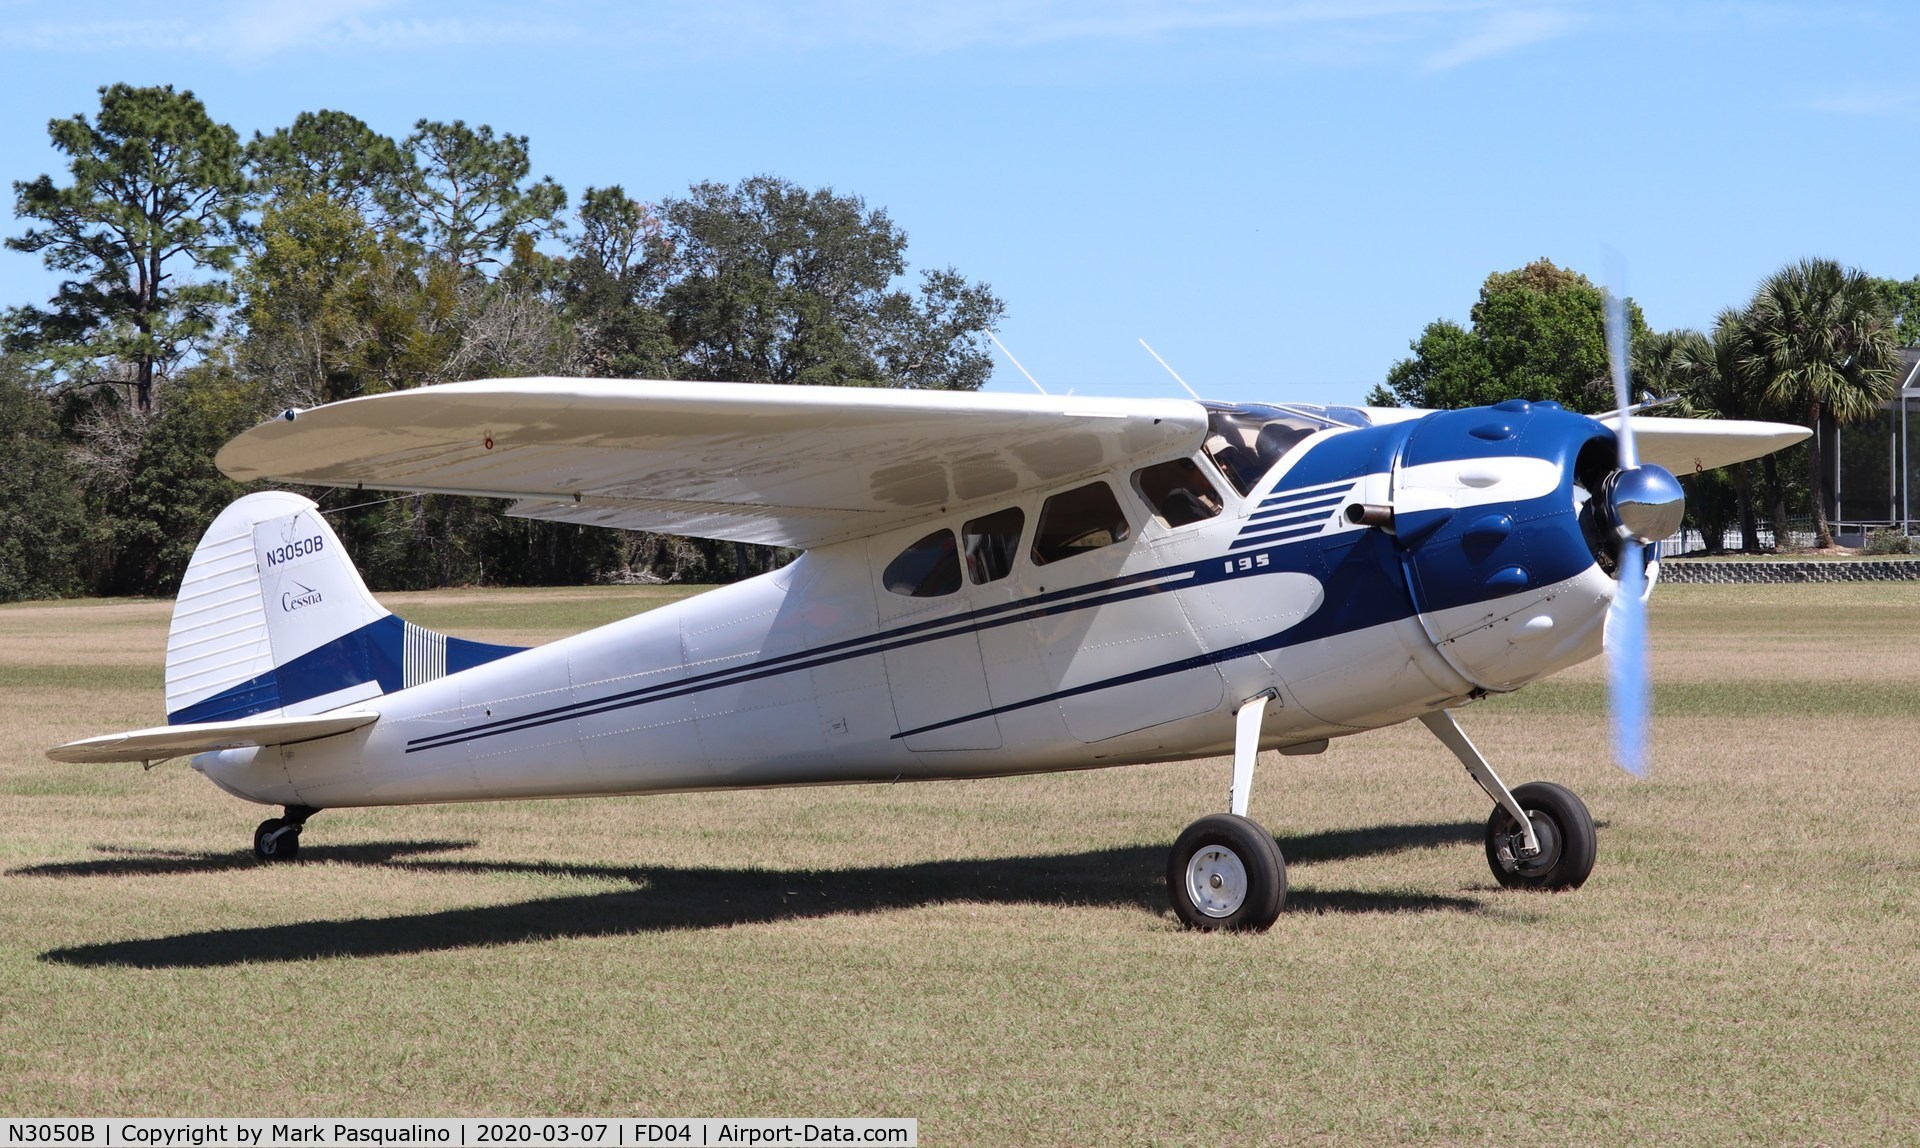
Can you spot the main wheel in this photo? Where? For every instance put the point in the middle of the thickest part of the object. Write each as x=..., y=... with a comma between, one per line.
x=270, y=844
x=1225, y=872
x=1564, y=829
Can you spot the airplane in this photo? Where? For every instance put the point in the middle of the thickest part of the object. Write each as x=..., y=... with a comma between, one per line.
x=988, y=585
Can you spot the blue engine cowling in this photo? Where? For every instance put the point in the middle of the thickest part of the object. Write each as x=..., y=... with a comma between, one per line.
x=1506, y=551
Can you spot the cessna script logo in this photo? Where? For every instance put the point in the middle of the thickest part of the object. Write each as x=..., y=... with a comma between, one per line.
x=307, y=596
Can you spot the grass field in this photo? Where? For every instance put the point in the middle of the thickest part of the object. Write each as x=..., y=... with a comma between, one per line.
x=995, y=958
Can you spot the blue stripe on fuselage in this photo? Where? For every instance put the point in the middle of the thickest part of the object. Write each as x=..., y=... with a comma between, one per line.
x=1031, y=609
x=1363, y=565
x=1291, y=510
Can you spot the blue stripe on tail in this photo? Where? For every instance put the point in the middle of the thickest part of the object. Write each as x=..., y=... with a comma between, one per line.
x=373, y=653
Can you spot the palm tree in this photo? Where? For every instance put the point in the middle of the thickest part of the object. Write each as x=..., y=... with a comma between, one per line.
x=1710, y=377
x=1820, y=340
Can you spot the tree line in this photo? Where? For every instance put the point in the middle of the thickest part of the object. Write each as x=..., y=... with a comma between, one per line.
x=208, y=282
x=1817, y=342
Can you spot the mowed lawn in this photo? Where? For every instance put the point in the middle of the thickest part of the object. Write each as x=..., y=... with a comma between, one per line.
x=996, y=958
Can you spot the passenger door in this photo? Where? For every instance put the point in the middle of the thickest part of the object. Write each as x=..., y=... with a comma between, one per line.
x=928, y=642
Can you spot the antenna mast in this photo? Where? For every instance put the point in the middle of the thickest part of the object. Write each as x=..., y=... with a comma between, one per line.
x=1016, y=362
x=1171, y=371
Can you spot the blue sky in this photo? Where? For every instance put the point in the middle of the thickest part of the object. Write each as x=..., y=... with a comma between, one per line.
x=1277, y=196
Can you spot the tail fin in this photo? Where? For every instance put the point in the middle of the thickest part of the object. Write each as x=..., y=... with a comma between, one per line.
x=273, y=619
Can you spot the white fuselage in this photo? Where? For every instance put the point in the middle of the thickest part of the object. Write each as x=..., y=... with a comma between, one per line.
x=817, y=673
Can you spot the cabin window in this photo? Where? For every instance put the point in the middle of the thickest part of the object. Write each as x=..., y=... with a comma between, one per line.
x=1076, y=521
x=1178, y=493
x=1245, y=440
x=927, y=569
x=990, y=542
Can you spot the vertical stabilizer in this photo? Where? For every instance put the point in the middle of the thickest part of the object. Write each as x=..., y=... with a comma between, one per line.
x=273, y=619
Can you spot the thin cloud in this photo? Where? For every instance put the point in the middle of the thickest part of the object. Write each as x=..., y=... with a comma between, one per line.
x=1873, y=103
x=261, y=29
x=257, y=30
x=1501, y=33
x=1027, y=23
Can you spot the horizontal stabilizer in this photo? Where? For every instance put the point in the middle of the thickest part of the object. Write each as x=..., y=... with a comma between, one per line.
x=202, y=737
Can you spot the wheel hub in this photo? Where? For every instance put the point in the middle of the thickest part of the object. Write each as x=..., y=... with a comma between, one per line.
x=1217, y=881
x=1548, y=834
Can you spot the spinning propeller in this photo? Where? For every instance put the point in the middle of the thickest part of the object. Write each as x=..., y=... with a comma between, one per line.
x=1642, y=504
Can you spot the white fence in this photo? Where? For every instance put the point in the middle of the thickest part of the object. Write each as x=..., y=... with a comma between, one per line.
x=1799, y=535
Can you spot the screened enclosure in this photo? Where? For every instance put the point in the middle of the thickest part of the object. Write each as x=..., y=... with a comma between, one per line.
x=1873, y=466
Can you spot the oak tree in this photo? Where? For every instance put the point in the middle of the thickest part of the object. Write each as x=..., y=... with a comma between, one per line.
x=773, y=283
x=1538, y=332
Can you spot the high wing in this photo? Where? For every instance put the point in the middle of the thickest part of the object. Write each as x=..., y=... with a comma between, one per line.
x=784, y=465
x=1685, y=446
x=200, y=737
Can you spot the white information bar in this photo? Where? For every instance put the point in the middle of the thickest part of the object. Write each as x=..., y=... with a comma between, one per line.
x=449, y=1132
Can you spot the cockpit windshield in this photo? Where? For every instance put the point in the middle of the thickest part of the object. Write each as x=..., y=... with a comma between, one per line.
x=1245, y=440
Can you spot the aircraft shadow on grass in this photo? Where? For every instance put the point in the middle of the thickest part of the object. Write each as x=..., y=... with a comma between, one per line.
x=667, y=898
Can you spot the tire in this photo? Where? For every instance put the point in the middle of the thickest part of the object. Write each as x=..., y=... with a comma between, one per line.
x=268, y=847
x=1226, y=873
x=1565, y=830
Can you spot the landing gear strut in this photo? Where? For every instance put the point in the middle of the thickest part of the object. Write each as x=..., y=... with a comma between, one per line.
x=1225, y=871
x=278, y=838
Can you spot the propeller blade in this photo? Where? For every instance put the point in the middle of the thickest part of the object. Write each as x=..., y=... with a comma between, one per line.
x=1617, y=360
x=1626, y=643
x=1625, y=635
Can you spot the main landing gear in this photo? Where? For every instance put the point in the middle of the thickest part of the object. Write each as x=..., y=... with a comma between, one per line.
x=1226, y=872
x=278, y=838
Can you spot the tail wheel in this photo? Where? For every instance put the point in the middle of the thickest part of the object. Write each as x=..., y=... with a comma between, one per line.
x=277, y=839
x=1564, y=830
x=1226, y=873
